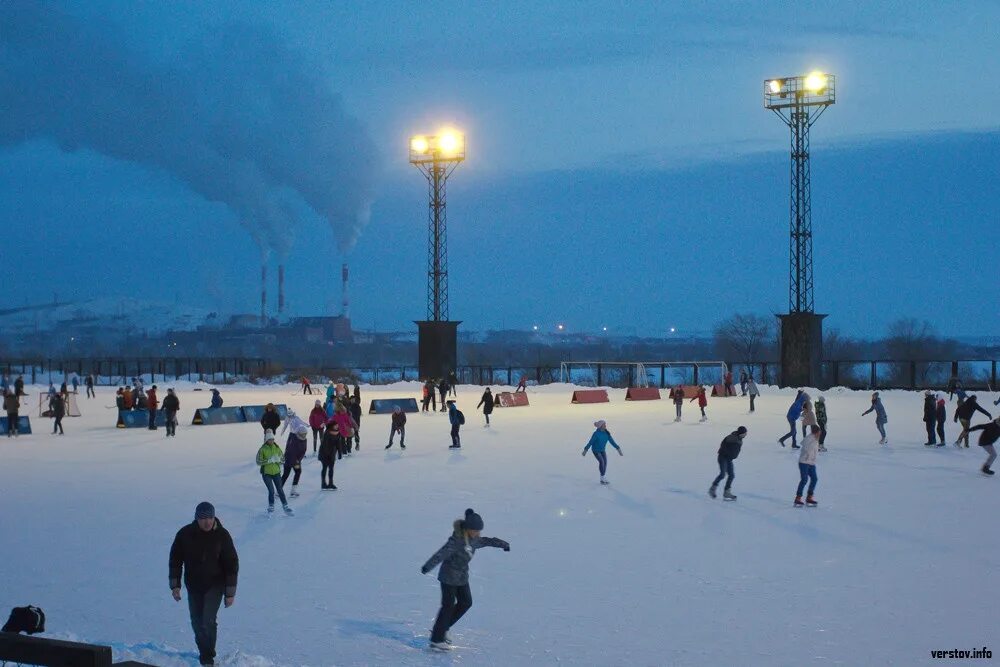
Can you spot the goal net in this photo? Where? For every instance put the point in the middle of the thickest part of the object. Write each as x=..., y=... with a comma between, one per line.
x=641, y=373
x=72, y=409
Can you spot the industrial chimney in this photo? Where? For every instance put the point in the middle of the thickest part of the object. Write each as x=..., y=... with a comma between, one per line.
x=346, y=304
x=281, y=289
x=263, y=295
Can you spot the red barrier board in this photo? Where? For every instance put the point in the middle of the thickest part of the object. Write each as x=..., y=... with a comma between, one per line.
x=720, y=390
x=513, y=399
x=642, y=394
x=690, y=391
x=590, y=396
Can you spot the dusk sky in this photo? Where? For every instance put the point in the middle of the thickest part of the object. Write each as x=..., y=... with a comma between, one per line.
x=621, y=169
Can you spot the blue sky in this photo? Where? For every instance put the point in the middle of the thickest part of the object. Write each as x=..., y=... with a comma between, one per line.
x=621, y=170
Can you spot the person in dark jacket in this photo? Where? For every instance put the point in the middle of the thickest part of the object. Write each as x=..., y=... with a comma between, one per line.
x=12, y=405
x=743, y=382
x=216, y=399
x=204, y=551
x=677, y=394
x=793, y=414
x=455, y=556
x=455, y=418
x=821, y=422
x=963, y=415
x=19, y=386
x=328, y=451
x=398, y=426
x=727, y=381
x=152, y=404
x=486, y=403
x=355, y=410
x=270, y=420
x=443, y=388
x=431, y=388
x=120, y=399
x=991, y=433
x=728, y=451
x=453, y=383
x=89, y=381
x=57, y=405
x=930, y=418
x=171, y=404
x=942, y=416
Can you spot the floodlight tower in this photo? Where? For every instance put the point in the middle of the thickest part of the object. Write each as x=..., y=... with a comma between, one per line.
x=437, y=157
x=799, y=101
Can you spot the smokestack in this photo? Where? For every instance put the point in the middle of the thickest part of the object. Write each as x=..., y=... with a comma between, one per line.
x=281, y=289
x=263, y=295
x=346, y=304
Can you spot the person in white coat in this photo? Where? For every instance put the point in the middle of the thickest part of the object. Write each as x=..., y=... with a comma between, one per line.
x=807, y=467
x=752, y=391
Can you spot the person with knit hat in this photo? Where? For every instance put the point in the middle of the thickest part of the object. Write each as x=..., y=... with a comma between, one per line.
x=880, y=417
x=398, y=426
x=821, y=422
x=807, y=467
x=270, y=459
x=271, y=419
x=941, y=414
x=454, y=557
x=204, y=552
x=991, y=433
x=171, y=404
x=295, y=449
x=598, y=443
x=329, y=450
x=728, y=451
x=317, y=418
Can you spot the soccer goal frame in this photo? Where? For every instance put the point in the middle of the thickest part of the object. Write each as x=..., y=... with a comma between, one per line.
x=72, y=409
x=641, y=373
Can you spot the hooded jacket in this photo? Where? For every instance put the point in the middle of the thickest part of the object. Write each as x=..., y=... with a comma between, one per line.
x=810, y=447
x=880, y=416
x=270, y=458
x=968, y=408
x=821, y=412
x=317, y=417
x=271, y=420
x=171, y=403
x=11, y=403
x=599, y=441
x=486, y=402
x=796, y=410
x=398, y=420
x=207, y=558
x=730, y=447
x=929, y=409
x=328, y=448
x=216, y=400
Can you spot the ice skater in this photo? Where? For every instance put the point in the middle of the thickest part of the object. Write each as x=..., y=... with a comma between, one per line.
x=12, y=405
x=57, y=405
x=398, y=426
x=930, y=418
x=793, y=416
x=807, y=467
x=941, y=415
x=270, y=420
x=880, y=417
x=317, y=418
x=677, y=393
x=821, y=422
x=295, y=449
x=752, y=391
x=702, y=399
x=456, y=419
x=964, y=413
x=728, y=451
x=744, y=380
x=90, y=386
x=270, y=459
x=808, y=417
x=486, y=403
x=991, y=433
x=328, y=451
x=454, y=557
x=598, y=443
x=204, y=553
x=171, y=404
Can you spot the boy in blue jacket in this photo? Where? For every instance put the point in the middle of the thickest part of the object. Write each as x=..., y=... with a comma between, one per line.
x=598, y=442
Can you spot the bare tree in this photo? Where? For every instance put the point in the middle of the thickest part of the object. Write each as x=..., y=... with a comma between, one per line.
x=910, y=339
x=744, y=335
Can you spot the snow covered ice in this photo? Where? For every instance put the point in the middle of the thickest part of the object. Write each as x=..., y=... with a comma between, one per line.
x=896, y=561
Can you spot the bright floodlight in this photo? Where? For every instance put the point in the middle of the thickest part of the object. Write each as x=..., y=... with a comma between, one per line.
x=816, y=89
x=815, y=82
x=446, y=146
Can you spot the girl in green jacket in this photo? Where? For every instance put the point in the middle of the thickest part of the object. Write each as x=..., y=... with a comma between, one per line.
x=270, y=459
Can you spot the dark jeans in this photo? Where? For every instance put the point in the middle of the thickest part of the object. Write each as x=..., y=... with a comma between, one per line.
x=307, y=389
x=57, y=426
x=204, y=608
x=402, y=435
x=12, y=418
x=171, y=422
x=316, y=433
x=752, y=397
x=289, y=467
x=930, y=432
x=273, y=483
x=455, y=601
x=940, y=431
x=327, y=473
x=807, y=471
x=822, y=433
x=90, y=392
x=791, y=432
x=725, y=470
x=487, y=415
x=152, y=420
x=456, y=441
x=602, y=461
x=444, y=397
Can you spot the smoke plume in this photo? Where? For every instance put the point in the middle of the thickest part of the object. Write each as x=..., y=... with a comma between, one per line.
x=241, y=119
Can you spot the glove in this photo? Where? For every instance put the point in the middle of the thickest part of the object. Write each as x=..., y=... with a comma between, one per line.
x=506, y=546
x=584, y=453
x=424, y=570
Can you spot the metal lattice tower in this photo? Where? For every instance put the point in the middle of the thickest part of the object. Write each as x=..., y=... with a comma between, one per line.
x=799, y=102
x=437, y=157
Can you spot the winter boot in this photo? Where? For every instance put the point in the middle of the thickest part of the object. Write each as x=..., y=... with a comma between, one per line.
x=604, y=480
x=794, y=446
x=402, y=446
x=332, y=487
x=388, y=446
x=711, y=491
x=986, y=471
x=728, y=495
x=798, y=501
x=288, y=510
x=270, y=509
x=295, y=491
x=811, y=502
x=822, y=448
x=781, y=442
x=440, y=646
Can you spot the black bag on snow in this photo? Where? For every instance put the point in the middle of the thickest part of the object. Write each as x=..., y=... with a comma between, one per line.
x=25, y=619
